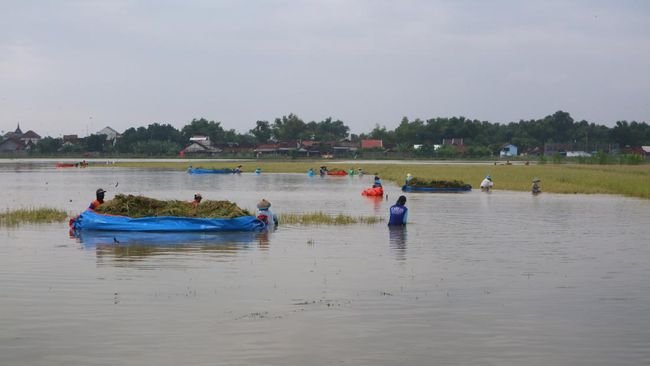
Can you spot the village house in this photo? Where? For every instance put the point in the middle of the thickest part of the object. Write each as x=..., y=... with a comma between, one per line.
x=345, y=148
x=19, y=142
x=111, y=134
x=508, y=150
x=456, y=142
x=200, y=145
x=305, y=148
x=372, y=144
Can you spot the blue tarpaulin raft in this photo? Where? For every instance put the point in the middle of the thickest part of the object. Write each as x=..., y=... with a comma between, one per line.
x=465, y=188
x=91, y=220
x=209, y=171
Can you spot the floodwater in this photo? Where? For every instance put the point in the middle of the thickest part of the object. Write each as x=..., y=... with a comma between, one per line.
x=503, y=278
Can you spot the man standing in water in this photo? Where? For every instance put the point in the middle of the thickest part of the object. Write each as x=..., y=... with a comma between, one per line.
x=398, y=212
x=99, y=195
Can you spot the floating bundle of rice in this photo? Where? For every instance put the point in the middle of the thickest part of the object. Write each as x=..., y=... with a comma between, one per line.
x=140, y=206
x=437, y=183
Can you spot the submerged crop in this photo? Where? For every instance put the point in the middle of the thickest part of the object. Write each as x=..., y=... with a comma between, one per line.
x=32, y=215
x=320, y=218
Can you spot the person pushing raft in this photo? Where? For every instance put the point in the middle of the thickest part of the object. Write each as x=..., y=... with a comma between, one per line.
x=99, y=199
x=265, y=215
x=377, y=181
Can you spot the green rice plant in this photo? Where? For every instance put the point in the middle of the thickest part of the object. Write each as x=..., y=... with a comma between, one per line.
x=321, y=218
x=32, y=216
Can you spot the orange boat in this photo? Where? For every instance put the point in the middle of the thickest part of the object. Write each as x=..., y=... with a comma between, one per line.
x=337, y=172
x=375, y=191
x=65, y=165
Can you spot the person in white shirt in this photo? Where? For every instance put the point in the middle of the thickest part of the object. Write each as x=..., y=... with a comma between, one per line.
x=486, y=184
x=265, y=215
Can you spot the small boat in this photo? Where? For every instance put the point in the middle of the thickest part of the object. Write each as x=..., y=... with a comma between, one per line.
x=209, y=171
x=425, y=189
x=373, y=191
x=65, y=165
x=91, y=220
x=336, y=172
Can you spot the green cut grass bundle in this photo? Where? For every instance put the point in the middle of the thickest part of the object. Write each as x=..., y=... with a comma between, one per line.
x=437, y=183
x=141, y=206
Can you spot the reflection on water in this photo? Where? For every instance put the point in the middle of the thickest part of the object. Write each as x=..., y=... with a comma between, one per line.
x=376, y=202
x=118, y=247
x=397, y=240
x=90, y=238
x=474, y=279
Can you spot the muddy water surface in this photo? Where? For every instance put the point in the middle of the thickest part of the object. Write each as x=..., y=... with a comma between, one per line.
x=492, y=279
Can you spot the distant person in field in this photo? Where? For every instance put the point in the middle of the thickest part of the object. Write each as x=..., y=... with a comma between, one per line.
x=536, y=187
x=377, y=181
x=486, y=184
x=197, y=200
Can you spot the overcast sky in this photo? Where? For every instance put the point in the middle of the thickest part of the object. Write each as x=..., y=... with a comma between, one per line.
x=74, y=67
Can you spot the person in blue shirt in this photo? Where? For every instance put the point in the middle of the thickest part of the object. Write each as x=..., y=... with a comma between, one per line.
x=398, y=212
x=377, y=182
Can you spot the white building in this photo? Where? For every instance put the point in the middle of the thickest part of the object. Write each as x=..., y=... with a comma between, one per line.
x=111, y=134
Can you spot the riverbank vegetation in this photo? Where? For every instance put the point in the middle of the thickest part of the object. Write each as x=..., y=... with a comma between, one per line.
x=627, y=180
x=31, y=216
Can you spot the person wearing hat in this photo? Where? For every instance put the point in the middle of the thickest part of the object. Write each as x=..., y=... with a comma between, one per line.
x=264, y=213
x=197, y=200
x=486, y=184
x=409, y=178
x=536, y=188
x=99, y=195
x=398, y=212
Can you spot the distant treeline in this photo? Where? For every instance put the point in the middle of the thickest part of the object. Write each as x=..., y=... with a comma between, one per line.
x=481, y=138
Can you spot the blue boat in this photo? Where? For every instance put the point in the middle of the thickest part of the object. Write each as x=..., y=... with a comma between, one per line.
x=91, y=220
x=465, y=188
x=209, y=171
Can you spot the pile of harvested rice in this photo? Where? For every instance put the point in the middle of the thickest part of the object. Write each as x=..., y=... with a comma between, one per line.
x=140, y=206
x=437, y=183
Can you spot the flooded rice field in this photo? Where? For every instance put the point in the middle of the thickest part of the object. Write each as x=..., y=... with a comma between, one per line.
x=503, y=278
